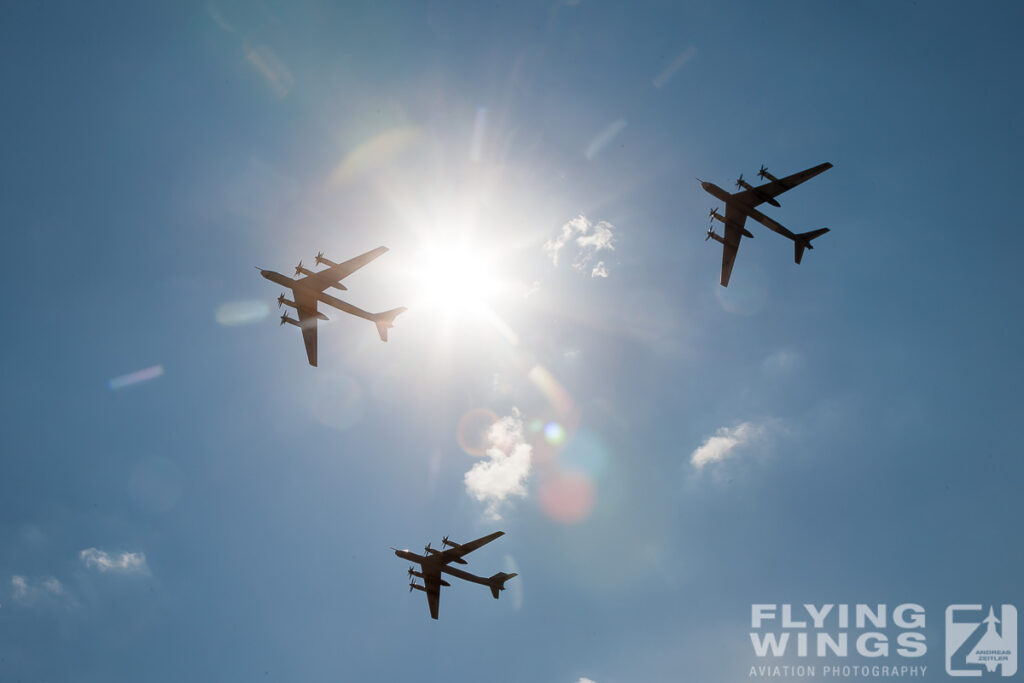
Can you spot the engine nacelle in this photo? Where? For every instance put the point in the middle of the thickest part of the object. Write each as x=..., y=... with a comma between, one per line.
x=281, y=301
x=420, y=575
x=321, y=260
x=763, y=173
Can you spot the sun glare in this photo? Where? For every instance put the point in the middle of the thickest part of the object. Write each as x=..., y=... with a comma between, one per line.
x=456, y=279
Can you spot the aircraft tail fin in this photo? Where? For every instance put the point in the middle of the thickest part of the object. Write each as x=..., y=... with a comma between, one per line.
x=803, y=241
x=497, y=582
x=387, y=319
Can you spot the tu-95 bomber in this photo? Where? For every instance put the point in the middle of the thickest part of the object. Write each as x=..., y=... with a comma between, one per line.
x=741, y=204
x=434, y=562
x=308, y=290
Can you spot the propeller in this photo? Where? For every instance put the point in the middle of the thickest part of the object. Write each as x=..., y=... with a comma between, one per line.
x=427, y=549
x=763, y=172
x=412, y=585
x=411, y=570
x=739, y=182
x=298, y=268
x=280, y=300
x=445, y=542
x=319, y=258
x=284, y=317
x=711, y=231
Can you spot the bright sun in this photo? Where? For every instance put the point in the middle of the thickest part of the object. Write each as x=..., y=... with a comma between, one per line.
x=456, y=279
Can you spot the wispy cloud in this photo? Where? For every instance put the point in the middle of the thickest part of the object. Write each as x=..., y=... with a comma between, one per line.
x=504, y=472
x=585, y=680
x=123, y=563
x=781, y=362
x=725, y=442
x=30, y=592
x=585, y=240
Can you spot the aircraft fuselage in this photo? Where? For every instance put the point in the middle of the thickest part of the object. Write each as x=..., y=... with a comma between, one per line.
x=730, y=200
x=451, y=571
x=278, y=278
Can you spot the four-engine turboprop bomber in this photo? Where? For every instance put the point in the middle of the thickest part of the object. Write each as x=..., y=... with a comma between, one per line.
x=741, y=204
x=309, y=289
x=434, y=562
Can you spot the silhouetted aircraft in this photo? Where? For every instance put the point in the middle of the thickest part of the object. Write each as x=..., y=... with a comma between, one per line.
x=741, y=204
x=309, y=289
x=433, y=562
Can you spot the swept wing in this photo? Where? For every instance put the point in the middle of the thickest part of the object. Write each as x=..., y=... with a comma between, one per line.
x=770, y=190
x=455, y=554
x=734, y=220
x=323, y=279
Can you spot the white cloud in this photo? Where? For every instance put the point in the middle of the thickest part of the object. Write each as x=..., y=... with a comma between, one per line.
x=30, y=592
x=725, y=442
x=585, y=680
x=125, y=563
x=586, y=239
x=503, y=474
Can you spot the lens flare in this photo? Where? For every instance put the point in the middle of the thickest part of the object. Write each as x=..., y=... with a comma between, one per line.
x=585, y=453
x=554, y=433
x=567, y=497
x=375, y=154
x=236, y=313
x=471, y=432
x=136, y=377
x=554, y=392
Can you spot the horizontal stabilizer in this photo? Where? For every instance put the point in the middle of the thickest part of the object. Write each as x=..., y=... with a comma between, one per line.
x=497, y=582
x=803, y=241
x=386, y=320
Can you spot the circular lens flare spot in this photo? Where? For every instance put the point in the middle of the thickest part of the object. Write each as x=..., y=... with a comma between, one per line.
x=567, y=497
x=554, y=433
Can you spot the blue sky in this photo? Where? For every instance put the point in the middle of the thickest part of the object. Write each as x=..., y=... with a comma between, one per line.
x=229, y=517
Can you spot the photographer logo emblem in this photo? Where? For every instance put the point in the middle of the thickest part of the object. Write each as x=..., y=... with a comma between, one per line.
x=981, y=640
